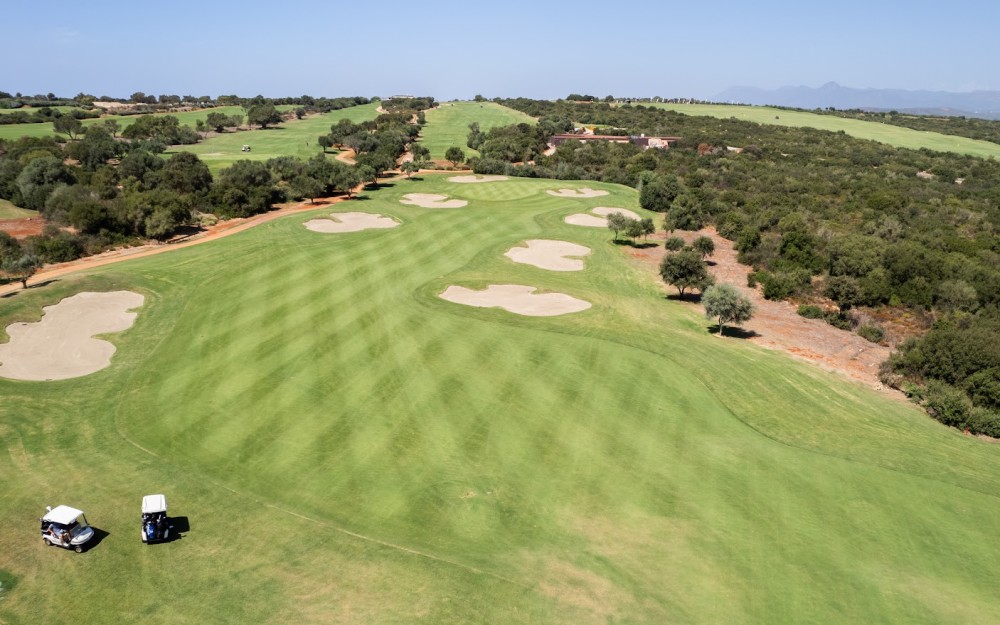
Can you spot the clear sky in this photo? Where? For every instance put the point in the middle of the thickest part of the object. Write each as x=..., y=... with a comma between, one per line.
x=539, y=48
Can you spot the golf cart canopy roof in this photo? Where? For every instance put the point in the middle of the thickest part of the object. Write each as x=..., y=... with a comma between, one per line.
x=154, y=503
x=64, y=515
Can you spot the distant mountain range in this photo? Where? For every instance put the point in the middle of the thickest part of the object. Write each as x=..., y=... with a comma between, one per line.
x=985, y=104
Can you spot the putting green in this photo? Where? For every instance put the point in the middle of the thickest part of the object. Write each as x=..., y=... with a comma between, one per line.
x=345, y=446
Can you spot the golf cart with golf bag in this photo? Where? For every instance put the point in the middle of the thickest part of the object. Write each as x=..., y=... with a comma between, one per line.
x=66, y=527
x=155, y=524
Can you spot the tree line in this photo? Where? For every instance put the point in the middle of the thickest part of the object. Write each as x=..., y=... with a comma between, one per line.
x=816, y=214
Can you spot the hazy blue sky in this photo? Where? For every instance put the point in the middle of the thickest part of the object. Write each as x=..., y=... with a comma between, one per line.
x=458, y=49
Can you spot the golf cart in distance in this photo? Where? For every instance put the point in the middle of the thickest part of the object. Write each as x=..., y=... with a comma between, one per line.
x=155, y=524
x=66, y=527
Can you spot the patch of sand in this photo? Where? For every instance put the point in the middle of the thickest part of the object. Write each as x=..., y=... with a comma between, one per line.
x=604, y=211
x=584, y=219
x=476, y=178
x=551, y=255
x=62, y=345
x=516, y=298
x=432, y=200
x=584, y=192
x=350, y=222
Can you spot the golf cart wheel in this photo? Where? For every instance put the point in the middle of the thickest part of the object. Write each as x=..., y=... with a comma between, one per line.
x=48, y=543
x=78, y=548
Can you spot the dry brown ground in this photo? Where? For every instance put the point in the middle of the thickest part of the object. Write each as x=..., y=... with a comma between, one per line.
x=24, y=227
x=777, y=325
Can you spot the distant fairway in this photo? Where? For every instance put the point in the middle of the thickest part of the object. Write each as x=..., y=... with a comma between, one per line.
x=297, y=137
x=448, y=124
x=14, y=131
x=884, y=133
x=347, y=447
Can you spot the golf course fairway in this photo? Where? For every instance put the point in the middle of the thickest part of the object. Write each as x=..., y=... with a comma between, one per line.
x=339, y=444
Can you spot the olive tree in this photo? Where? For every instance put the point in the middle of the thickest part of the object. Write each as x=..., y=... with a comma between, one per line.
x=728, y=305
x=685, y=270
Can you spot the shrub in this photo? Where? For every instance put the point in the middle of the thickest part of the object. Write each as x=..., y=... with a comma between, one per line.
x=871, y=332
x=809, y=311
x=674, y=244
x=947, y=404
x=840, y=320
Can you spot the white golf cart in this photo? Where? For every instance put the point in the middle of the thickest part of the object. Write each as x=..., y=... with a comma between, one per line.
x=155, y=524
x=66, y=527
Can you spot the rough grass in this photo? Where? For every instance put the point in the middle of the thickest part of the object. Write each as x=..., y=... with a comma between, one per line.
x=875, y=131
x=348, y=448
x=448, y=124
x=9, y=211
x=297, y=137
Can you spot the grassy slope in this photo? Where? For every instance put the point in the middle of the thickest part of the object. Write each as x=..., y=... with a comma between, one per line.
x=9, y=211
x=448, y=125
x=884, y=133
x=308, y=403
x=292, y=138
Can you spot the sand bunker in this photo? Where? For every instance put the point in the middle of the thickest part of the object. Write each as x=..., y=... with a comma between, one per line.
x=550, y=255
x=432, y=200
x=350, y=222
x=577, y=193
x=585, y=219
x=62, y=344
x=476, y=178
x=518, y=299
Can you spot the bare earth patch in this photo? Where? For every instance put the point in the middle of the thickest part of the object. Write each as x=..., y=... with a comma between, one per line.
x=551, y=255
x=516, y=298
x=476, y=178
x=585, y=192
x=62, y=345
x=350, y=222
x=432, y=200
x=777, y=325
x=584, y=219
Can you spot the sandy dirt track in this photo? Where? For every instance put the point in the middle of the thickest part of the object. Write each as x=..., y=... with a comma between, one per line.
x=350, y=222
x=62, y=344
x=222, y=229
x=548, y=254
x=431, y=200
x=518, y=299
x=476, y=178
x=584, y=192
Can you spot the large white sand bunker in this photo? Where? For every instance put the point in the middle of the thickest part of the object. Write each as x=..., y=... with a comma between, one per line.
x=432, y=200
x=585, y=192
x=516, y=298
x=585, y=219
x=476, y=178
x=548, y=254
x=62, y=344
x=350, y=222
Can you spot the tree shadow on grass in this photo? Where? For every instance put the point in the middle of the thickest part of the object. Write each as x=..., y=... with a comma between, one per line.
x=734, y=332
x=638, y=246
x=691, y=298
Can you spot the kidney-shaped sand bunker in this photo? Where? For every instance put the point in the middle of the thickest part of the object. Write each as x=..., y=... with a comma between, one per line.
x=516, y=298
x=548, y=254
x=350, y=222
x=583, y=219
x=432, y=200
x=62, y=345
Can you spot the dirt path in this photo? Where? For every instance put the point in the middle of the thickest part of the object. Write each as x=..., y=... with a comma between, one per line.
x=777, y=325
x=347, y=156
x=222, y=229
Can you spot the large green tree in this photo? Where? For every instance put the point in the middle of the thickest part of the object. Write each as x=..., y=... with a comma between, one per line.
x=263, y=114
x=685, y=270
